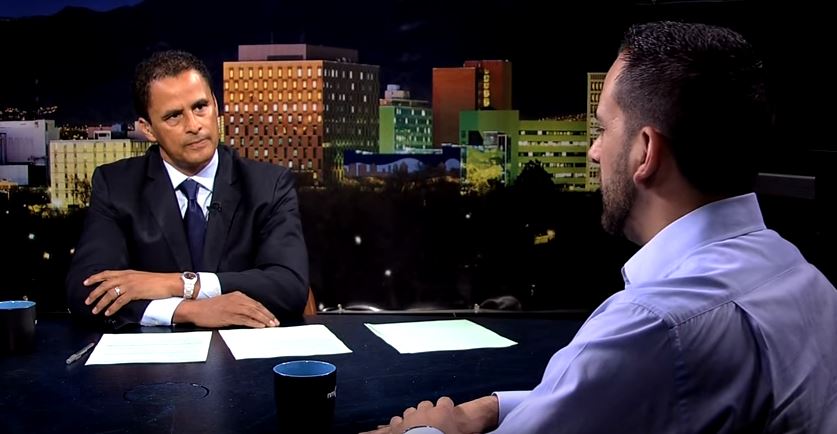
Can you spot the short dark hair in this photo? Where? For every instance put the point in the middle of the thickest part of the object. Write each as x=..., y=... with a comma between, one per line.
x=704, y=88
x=159, y=65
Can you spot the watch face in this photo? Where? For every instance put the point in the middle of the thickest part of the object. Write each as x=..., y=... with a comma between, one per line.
x=190, y=275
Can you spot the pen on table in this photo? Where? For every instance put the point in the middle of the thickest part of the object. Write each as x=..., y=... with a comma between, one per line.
x=80, y=353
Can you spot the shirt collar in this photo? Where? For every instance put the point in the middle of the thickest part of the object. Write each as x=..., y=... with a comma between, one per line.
x=206, y=177
x=723, y=219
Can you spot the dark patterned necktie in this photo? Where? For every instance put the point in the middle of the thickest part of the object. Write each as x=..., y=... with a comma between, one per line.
x=194, y=222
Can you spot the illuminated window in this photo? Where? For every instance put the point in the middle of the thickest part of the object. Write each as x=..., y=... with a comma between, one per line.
x=313, y=84
x=294, y=84
x=261, y=96
x=261, y=73
x=250, y=72
x=270, y=72
x=235, y=85
x=246, y=85
x=299, y=71
x=240, y=72
x=231, y=73
x=226, y=85
x=319, y=71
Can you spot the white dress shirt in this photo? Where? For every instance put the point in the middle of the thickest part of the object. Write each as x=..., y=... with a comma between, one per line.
x=160, y=312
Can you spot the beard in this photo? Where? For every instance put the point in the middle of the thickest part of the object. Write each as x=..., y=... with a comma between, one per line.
x=618, y=197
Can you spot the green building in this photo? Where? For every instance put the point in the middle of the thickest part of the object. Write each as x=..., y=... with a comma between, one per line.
x=405, y=125
x=560, y=145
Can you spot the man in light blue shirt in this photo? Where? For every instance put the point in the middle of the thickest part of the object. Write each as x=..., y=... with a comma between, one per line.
x=723, y=326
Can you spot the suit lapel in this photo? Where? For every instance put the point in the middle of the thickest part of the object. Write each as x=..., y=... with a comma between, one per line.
x=160, y=199
x=226, y=195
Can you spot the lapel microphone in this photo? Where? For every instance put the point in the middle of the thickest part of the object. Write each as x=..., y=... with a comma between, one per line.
x=215, y=206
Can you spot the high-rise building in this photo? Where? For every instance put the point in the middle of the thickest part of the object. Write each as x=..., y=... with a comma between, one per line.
x=478, y=85
x=595, y=81
x=405, y=124
x=72, y=163
x=295, y=105
x=560, y=145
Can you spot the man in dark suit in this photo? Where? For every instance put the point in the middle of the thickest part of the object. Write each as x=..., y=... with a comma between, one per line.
x=190, y=232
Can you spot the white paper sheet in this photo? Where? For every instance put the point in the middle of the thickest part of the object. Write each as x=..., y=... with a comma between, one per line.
x=307, y=340
x=151, y=348
x=442, y=335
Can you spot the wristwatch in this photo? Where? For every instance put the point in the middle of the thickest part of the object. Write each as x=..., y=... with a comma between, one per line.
x=189, y=280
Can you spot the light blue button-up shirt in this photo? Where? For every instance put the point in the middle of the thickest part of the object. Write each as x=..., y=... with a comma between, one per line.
x=722, y=327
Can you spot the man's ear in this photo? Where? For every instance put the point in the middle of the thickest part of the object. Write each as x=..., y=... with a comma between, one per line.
x=145, y=126
x=650, y=154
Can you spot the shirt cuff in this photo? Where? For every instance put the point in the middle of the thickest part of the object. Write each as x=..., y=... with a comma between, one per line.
x=210, y=286
x=508, y=401
x=423, y=430
x=160, y=312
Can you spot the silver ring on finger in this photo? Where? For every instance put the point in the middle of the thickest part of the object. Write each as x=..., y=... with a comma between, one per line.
x=118, y=291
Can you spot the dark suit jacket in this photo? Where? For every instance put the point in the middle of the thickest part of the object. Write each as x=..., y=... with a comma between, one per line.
x=253, y=242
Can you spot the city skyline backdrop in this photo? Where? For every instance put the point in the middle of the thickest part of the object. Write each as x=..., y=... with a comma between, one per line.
x=82, y=60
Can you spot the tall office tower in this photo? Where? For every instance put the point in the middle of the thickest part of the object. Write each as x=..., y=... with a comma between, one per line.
x=478, y=85
x=298, y=105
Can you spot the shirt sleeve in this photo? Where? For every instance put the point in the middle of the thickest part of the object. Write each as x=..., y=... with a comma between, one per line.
x=210, y=286
x=509, y=400
x=160, y=312
x=423, y=430
x=617, y=375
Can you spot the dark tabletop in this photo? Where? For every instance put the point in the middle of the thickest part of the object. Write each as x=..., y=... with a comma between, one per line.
x=40, y=393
